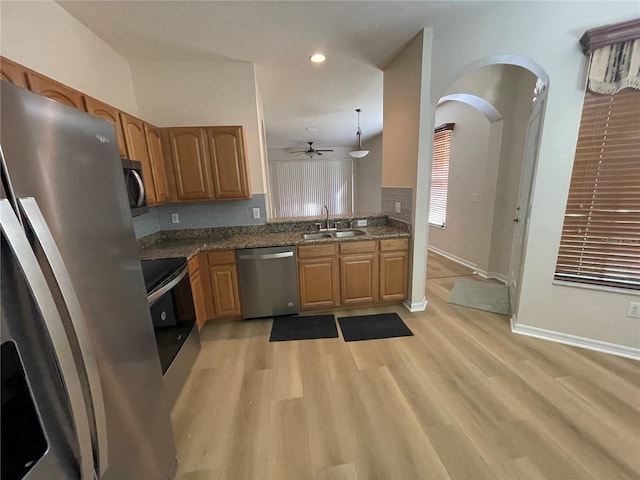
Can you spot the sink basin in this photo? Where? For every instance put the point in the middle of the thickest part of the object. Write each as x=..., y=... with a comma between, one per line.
x=315, y=236
x=348, y=233
x=336, y=234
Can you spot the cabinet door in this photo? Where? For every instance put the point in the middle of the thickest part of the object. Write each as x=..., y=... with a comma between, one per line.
x=55, y=91
x=197, y=292
x=190, y=164
x=156, y=157
x=319, y=282
x=359, y=279
x=12, y=72
x=224, y=288
x=393, y=275
x=228, y=162
x=110, y=114
x=136, y=142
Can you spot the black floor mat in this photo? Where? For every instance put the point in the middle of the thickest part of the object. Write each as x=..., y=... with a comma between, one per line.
x=303, y=328
x=371, y=327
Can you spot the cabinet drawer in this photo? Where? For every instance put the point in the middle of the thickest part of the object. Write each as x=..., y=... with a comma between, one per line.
x=223, y=257
x=358, y=247
x=394, y=244
x=194, y=267
x=310, y=251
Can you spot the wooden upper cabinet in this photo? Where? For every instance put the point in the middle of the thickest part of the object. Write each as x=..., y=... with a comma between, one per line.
x=154, y=143
x=136, y=142
x=55, y=91
x=190, y=163
x=12, y=72
x=110, y=114
x=227, y=151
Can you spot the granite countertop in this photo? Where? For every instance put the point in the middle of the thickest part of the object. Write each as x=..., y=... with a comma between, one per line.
x=189, y=247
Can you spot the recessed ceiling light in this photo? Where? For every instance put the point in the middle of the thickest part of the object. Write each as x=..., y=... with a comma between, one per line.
x=317, y=58
x=312, y=129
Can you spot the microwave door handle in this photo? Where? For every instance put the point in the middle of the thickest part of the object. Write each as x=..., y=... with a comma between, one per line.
x=141, y=191
x=40, y=292
x=153, y=297
x=40, y=229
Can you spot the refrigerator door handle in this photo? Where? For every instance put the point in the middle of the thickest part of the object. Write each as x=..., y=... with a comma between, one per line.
x=141, y=195
x=39, y=226
x=43, y=298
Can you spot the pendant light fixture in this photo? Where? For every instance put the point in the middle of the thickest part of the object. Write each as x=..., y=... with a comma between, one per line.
x=359, y=151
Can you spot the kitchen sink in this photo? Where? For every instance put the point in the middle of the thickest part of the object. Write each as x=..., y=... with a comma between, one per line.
x=316, y=236
x=337, y=234
x=347, y=233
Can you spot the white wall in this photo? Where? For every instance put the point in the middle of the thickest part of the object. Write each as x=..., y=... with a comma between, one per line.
x=468, y=227
x=368, y=181
x=401, y=116
x=408, y=142
x=44, y=37
x=547, y=33
x=199, y=93
x=510, y=90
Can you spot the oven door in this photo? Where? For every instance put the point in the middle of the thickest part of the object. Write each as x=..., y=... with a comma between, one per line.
x=173, y=315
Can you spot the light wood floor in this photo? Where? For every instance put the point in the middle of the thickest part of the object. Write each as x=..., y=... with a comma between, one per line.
x=464, y=398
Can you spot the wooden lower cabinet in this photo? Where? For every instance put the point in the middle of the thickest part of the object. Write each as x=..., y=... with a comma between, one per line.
x=394, y=269
x=318, y=276
x=353, y=273
x=223, y=278
x=359, y=272
x=197, y=291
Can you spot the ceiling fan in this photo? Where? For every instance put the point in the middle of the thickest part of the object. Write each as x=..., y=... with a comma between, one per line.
x=312, y=152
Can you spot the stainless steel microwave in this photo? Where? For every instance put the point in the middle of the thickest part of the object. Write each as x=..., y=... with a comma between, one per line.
x=133, y=181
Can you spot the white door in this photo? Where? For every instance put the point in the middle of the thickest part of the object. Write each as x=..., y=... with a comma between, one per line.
x=521, y=215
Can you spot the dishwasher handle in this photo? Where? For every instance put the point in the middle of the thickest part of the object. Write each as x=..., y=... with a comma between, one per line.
x=265, y=256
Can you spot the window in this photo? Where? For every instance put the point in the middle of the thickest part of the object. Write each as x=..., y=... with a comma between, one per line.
x=600, y=242
x=440, y=174
x=301, y=188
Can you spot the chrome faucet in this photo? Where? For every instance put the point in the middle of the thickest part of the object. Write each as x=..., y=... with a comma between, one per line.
x=324, y=207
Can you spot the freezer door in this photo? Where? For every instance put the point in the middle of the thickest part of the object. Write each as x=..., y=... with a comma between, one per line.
x=45, y=429
x=68, y=162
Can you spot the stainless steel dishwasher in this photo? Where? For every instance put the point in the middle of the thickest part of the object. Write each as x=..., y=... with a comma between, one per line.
x=268, y=281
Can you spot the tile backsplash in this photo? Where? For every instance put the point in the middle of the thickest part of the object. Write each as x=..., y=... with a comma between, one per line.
x=404, y=195
x=228, y=213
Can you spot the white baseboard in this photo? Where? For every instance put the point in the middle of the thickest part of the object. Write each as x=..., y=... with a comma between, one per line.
x=495, y=275
x=466, y=263
x=574, y=340
x=416, y=307
x=448, y=255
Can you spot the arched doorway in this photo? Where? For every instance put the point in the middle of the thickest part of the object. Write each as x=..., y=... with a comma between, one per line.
x=483, y=78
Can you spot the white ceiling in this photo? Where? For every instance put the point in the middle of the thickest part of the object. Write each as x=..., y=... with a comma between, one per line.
x=358, y=38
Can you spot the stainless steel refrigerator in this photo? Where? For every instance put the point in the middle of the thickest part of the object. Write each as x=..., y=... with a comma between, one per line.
x=82, y=391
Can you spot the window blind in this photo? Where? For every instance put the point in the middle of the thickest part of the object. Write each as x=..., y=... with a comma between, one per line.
x=600, y=241
x=440, y=174
x=301, y=188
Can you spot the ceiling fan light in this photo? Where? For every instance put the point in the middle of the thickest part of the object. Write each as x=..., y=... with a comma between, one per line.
x=359, y=153
x=310, y=154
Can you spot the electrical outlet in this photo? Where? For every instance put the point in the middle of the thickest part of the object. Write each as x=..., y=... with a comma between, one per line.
x=634, y=310
x=175, y=218
x=256, y=212
x=475, y=197
x=398, y=207
x=362, y=223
